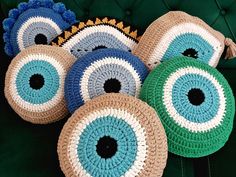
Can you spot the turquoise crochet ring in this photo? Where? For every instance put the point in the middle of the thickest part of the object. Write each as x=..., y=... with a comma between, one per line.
x=195, y=104
x=103, y=71
x=35, y=22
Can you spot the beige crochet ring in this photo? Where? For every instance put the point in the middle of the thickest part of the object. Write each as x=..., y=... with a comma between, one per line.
x=34, y=83
x=180, y=34
x=113, y=135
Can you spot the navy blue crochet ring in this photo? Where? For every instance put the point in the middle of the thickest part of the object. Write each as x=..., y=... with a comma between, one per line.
x=35, y=22
x=103, y=71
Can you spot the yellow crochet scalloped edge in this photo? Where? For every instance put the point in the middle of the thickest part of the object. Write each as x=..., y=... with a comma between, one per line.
x=75, y=28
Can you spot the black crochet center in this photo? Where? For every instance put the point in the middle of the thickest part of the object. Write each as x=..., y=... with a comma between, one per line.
x=40, y=39
x=36, y=81
x=190, y=53
x=99, y=47
x=112, y=86
x=196, y=96
x=106, y=147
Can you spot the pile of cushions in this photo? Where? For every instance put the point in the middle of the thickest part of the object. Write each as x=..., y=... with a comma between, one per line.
x=132, y=98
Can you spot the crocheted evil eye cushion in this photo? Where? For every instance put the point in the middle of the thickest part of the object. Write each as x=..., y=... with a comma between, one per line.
x=103, y=71
x=34, y=84
x=113, y=135
x=85, y=37
x=179, y=34
x=35, y=22
x=195, y=104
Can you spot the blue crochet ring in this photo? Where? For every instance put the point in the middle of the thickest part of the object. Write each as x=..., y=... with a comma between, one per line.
x=35, y=22
x=103, y=71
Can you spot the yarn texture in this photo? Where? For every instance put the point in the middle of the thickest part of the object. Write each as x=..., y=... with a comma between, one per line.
x=195, y=104
x=34, y=83
x=103, y=71
x=35, y=22
x=179, y=34
x=85, y=37
x=125, y=128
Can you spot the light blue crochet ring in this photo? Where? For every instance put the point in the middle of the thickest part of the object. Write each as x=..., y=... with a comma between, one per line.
x=103, y=71
x=35, y=22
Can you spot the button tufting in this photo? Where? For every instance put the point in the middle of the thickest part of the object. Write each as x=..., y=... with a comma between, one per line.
x=223, y=11
x=128, y=12
x=86, y=12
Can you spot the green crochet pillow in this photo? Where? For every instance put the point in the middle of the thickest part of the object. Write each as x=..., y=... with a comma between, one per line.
x=195, y=104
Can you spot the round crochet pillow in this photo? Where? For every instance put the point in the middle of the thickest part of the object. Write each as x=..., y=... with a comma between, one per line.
x=179, y=34
x=103, y=71
x=195, y=104
x=34, y=84
x=35, y=22
x=85, y=37
x=113, y=135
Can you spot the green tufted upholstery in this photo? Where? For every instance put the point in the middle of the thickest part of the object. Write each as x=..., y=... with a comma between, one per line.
x=30, y=150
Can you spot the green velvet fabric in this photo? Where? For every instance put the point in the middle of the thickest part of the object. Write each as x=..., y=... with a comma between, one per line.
x=28, y=150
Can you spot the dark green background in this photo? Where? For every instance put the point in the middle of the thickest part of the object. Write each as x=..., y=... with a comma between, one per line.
x=28, y=150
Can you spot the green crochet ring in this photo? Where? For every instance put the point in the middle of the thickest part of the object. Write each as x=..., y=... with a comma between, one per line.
x=195, y=104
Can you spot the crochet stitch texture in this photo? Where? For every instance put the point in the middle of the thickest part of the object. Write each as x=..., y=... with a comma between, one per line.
x=108, y=121
x=195, y=104
x=179, y=34
x=35, y=22
x=34, y=83
x=85, y=37
x=103, y=71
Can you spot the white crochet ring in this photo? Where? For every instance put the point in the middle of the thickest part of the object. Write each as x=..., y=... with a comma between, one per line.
x=49, y=27
x=183, y=121
x=97, y=65
x=113, y=38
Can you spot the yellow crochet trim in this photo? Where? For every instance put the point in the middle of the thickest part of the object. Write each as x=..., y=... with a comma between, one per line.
x=77, y=27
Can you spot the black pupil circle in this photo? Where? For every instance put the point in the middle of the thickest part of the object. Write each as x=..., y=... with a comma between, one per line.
x=36, y=81
x=190, y=53
x=106, y=147
x=99, y=47
x=40, y=39
x=196, y=96
x=112, y=86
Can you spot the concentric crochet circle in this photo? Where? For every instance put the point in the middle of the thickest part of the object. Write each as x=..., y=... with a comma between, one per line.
x=113, y=135
x=103, y=71
x=34, y=84
x=179, y=34
x=35, y=22
x=195, y=103
x=85, y=37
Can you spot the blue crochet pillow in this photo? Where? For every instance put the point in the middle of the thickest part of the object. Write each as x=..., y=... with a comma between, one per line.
x=103, y=71
x=35, y=22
